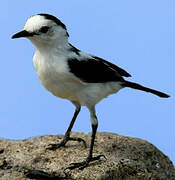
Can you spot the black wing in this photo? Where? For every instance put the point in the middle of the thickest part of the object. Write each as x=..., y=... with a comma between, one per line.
x=96, y=70
x=121, y=71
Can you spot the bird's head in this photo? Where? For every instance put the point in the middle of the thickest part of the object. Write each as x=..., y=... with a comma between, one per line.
x=43, y=29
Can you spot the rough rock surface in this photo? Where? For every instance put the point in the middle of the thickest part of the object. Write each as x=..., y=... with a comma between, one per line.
x=127, y=159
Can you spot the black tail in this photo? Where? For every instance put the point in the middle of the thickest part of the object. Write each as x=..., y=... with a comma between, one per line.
x=139, y=87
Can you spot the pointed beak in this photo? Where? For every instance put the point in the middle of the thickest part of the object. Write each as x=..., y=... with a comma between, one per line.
x=23, y=33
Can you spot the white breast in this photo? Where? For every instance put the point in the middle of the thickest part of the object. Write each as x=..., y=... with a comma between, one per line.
x=53, y=74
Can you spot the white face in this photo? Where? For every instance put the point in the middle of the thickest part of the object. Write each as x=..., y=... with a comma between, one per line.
x=43, y=29
x=40, y=29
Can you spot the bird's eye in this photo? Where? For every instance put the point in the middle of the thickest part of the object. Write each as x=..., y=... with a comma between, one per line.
x=44, y=29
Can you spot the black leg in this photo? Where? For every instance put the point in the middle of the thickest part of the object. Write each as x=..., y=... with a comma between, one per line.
x=67, y=134
x=90, y=158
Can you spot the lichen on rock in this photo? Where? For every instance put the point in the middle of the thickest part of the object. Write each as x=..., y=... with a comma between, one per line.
x=127, y=159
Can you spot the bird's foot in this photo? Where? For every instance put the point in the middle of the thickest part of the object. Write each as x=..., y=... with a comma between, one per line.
x=64, y=141
x=83, y=164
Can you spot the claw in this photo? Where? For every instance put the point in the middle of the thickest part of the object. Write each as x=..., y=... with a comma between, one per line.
x=79, y=140
x=83, y=164
x=80, y=165
x=64, y=141
x=54, y=146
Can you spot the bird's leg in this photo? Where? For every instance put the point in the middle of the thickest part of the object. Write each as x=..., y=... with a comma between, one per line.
x=67, y=134
x=90, y=158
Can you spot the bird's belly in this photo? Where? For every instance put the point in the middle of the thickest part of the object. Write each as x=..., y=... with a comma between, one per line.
x=60, y=85
x=63, y=86
x=95, y=92
x=54, y=76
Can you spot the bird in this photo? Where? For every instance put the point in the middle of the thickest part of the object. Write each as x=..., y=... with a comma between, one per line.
x=69, y=73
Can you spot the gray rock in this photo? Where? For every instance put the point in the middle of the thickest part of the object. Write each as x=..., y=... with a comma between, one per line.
x=127, y=159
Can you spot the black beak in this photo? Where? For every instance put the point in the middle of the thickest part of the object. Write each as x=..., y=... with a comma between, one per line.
x=23, y=33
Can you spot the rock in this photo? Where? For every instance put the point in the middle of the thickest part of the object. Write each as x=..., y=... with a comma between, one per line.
x=127, y=159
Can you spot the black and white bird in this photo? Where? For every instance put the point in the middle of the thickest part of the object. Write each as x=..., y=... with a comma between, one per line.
x=69, y=73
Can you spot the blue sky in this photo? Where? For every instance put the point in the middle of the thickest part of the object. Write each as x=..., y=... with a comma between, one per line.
x=138, y=36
